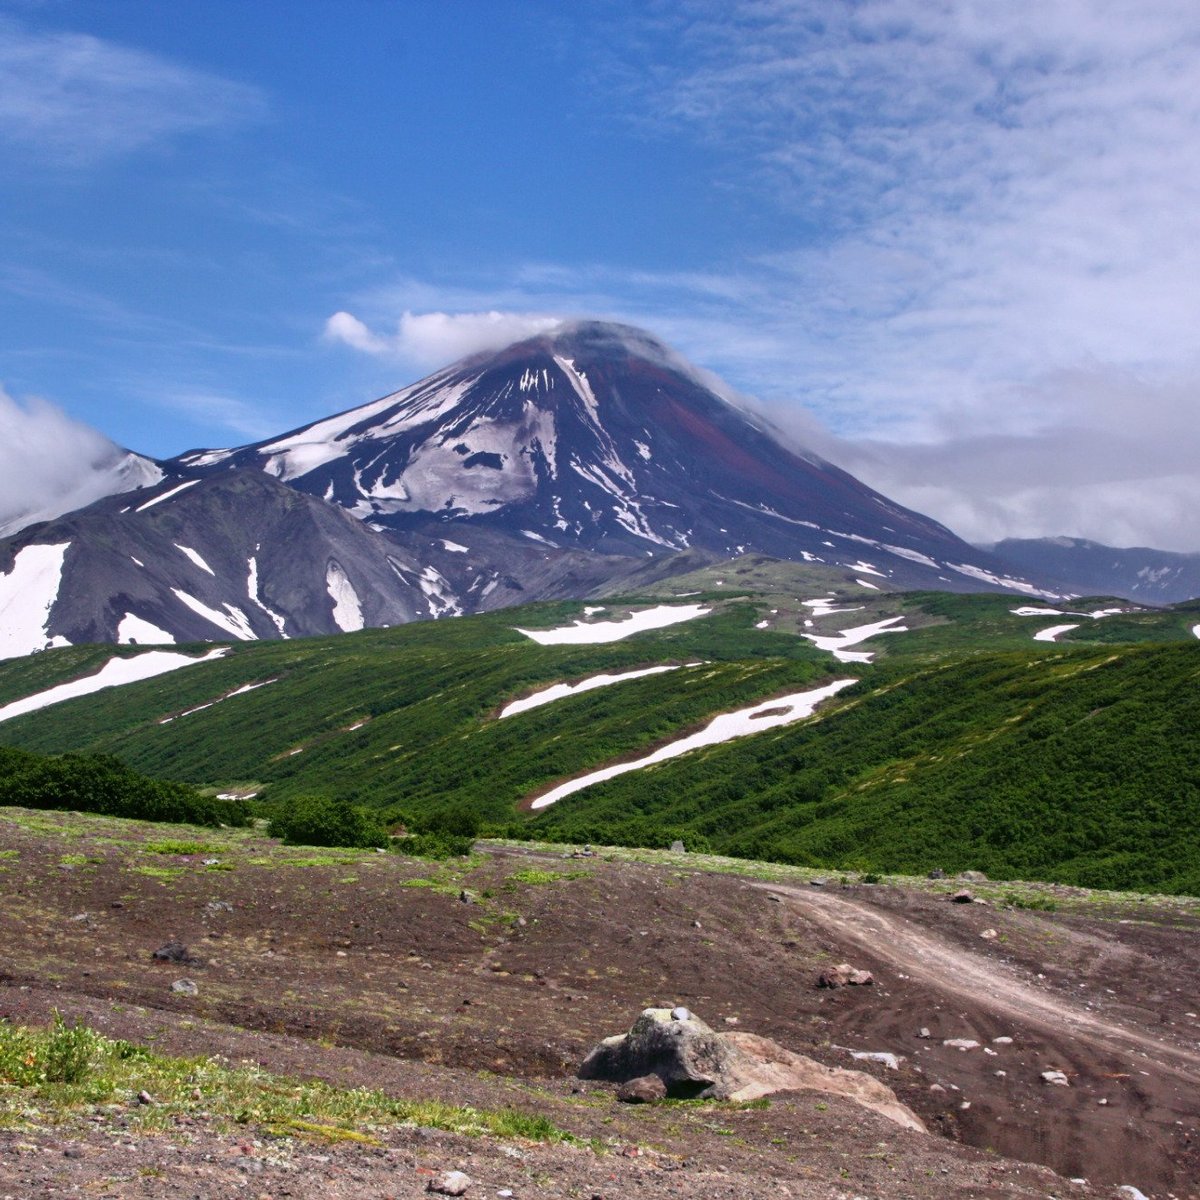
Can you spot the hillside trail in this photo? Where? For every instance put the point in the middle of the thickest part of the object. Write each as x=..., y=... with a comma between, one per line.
x=980, y=979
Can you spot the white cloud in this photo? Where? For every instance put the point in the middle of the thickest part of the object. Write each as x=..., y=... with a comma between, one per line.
x=72, y=99
x=48, y=461
x=433, y=339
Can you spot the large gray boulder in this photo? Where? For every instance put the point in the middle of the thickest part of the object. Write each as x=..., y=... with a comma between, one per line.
x=695, y=1061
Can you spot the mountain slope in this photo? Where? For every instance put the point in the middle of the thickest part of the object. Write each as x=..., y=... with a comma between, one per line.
x=598, y=437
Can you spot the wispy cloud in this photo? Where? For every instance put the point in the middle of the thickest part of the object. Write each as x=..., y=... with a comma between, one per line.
x=433, y=338
x=70, y=99
x=48, y=459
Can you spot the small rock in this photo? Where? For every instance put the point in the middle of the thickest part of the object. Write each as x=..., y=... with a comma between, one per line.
x=677, y=847
x=1002, y=1041
x=449, y=1183
x=858, y=978
x=680, y=1014
x=989, y=935
x=963, y=897
x=816, y=883
x=467, y=898
x=936, y=873
x=175, y=952
x=644, y=1090
x=1128, y=1192
x=80, y=917
x=924, y=1033
x=185, y=987
x=963, y=1044
x=144, y=1097
x=1000, y=1074
x=972, y=876
x=1055, y=1077
x=72, y=1152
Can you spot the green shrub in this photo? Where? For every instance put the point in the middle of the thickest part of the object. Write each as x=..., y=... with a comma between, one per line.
x=62, y=1054
x=433, y=845
x=322, y=821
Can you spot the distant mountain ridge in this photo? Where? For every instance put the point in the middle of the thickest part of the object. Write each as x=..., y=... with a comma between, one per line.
x=1090, y=568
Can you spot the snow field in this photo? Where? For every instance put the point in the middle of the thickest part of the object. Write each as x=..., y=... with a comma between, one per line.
x=347, y=611
x=838, y=644
x=191, y=554
x=249, y=687
x=768, y=714
x=560, y=691
x=27, y=594
x=114, y=673
x=582, y=633
x=132, y=630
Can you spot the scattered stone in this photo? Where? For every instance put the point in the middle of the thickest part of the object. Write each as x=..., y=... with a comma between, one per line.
x=175, y=952
x=1002, y=1041
x=936, y=873
x=1000, y=1074
x=774, y=898
x=973, y=876
x=889, y=1060
x=467, y=898
x=1055, y=1077
x=1128, y=1192
x=185, y=987
x=963, y=1044
x=449, y=1183
x=963, y=897
x=989, y=935
x=80, y=917
x=816, y=883
x=646, y=1089
x=677, y=847
x=144, y=1097
x=216, y=906
x=72, y=1152
x=680, y=1014
x=844, y=974
x=924, y=1033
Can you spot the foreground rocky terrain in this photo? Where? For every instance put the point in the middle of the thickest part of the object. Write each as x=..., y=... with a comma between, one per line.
x=486, y=981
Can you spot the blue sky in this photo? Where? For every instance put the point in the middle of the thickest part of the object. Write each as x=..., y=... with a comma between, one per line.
x=953, y=246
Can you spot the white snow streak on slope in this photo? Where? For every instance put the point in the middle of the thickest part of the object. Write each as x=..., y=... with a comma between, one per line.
x=1051, y=634
x=114, y=673
x=167, y=495
x=438, y=594
x=768, y=715
x=347, y=611
x=195, y=558
x=823, y=607
x=581, y=634
x=454, y=547
x=133, y=630
x=252, y=591
x=27, y=594
x=866, y=568
x=912, y=555
x=1196, y=631
x=1030, y=610
x=560, y=691
x=867, y=584
x=248, y=687
x=232, y=620
x=839, y=643
x=1016, y=585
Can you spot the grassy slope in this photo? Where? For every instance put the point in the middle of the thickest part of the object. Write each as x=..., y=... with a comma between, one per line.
x=1039, y=761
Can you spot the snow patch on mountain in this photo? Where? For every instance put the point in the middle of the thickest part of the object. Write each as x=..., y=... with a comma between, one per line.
x=561, y=691
x=347, y=609
x=582, y=633
x=252, y=590
x=838, y=644
x=232, y=621
x=195, y=557
x=27, y=594
x=1052, y=632
x=247, y=687
x=114, y=673
x=133, y=630
x=187, y=483
x=759, y=717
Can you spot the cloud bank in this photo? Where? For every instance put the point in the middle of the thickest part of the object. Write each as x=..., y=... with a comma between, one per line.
x=52, y=462
x=70, y=99
x=432, y=339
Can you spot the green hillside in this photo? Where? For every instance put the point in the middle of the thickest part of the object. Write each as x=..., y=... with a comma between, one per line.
x=966, y=743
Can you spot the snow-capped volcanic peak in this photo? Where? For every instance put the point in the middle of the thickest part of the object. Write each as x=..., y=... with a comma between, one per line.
x=598, y=437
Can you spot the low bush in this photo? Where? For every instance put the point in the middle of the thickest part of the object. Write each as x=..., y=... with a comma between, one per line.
x=323, y=821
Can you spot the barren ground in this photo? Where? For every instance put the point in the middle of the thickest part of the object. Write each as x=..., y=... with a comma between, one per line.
x=369, y=970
